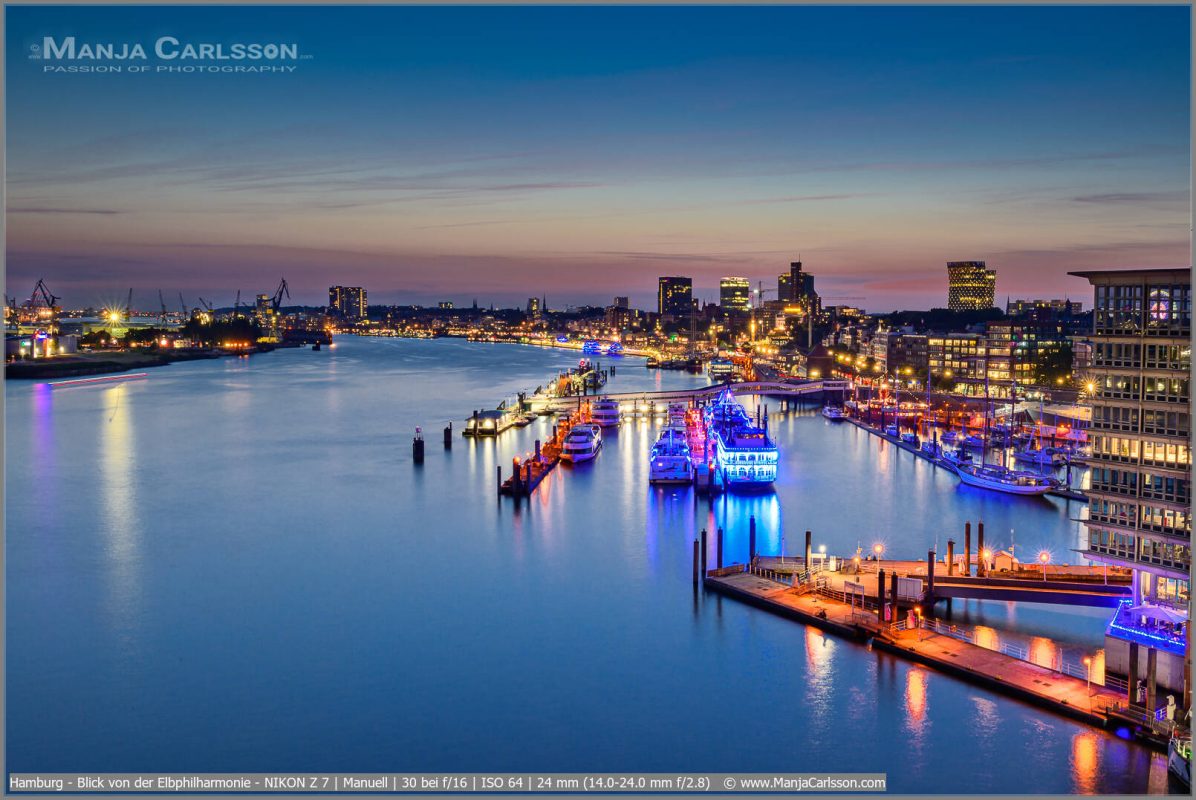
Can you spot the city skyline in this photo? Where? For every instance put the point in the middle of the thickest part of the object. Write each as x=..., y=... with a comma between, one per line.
x=431, y=155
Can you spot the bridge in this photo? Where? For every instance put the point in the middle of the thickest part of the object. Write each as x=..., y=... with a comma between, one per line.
x=774, y=388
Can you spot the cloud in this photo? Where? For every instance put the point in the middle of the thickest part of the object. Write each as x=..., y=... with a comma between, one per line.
x=1134, y=198
x=64, y=211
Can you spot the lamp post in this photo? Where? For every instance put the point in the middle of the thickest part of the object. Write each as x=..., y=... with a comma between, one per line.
x=1044, y=558
x=879, y=550
x=985, y=555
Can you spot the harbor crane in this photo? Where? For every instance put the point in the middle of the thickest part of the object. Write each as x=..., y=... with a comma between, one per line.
x=129, y=305
x=237, y=305
x=205, y=304
x=282, y=289
x=162, y=305
x=183, y=305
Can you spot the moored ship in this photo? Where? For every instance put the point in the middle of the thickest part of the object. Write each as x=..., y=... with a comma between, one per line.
x=582, y=444
x=746, y=457
x=670, y=458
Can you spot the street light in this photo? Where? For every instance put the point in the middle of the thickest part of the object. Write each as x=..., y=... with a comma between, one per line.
x=1044, y=558
x=1088, y=676
x=985, y=555
x=879, y=550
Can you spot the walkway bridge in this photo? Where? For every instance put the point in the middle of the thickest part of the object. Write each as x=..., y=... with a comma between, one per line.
x=775, y=388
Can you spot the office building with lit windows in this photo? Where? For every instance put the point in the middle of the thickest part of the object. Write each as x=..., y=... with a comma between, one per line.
x=734, y=294
x=970, y=286
x=674, y=296
x=1139, y=504
x=348, y=302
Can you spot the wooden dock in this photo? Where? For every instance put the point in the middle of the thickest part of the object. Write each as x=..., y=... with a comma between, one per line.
x=527, y=473
x=1080, y=699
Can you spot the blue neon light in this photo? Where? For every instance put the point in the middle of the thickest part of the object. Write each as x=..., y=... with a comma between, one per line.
x=1136, y=634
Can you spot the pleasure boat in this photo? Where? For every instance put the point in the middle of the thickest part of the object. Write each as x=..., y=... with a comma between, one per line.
x=1043, y=457
x=1000, y=479
x=669, y=461
x=746, y=456
x=605, y=412
x=582, y=444
x=834, y=412
x=910, y=439
x=956, y=457
x=949, y=437
x=1179, y=759
x=720, y=369
x=932, y=449
x=891, y=430
x=973, y=441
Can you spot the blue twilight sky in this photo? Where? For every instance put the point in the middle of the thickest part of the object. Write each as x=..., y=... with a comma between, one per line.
x=457, y=152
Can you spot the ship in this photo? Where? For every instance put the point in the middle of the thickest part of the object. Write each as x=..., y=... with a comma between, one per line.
x=745, y=455
x=834, y=412
x=999, y=479
x=582, y=444
x=669, y=461
x=605, y=412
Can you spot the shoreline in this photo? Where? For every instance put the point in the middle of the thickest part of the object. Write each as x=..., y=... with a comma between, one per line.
x=100, y=363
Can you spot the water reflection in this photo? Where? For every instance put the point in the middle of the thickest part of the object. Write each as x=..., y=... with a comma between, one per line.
x=120, y=510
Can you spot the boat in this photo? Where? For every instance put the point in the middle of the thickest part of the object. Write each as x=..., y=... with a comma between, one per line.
x=652, y=363
x=676, y=415
x=1000, y=479
x=956, y=457
x=605, y=412
x=891, y=430
x=490, y=423
x=1179, y=759
x=745, y=455
x=834, y=412
x=910, y=439
x=1043, y=457
x=972, y=441
x=950, y=437
x=721, y=368
x=670, y=461
x=582, y=444
x=522, y=421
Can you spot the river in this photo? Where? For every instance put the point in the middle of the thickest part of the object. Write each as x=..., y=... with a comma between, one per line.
x=234, y=565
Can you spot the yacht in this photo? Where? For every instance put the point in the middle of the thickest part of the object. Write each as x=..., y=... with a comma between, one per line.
x=605, y=412
x=972, y=441
x=1179, y=758
x=1042, y=457
x=720, y=369
x=910, y=439
x=582, y=443
x=834, y=412
x=891, y=430
x=669, y=461
x=957, y=457
x=949, y=437
x=1000, y=479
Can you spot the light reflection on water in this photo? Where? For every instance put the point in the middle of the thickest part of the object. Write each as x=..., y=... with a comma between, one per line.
x=245, y=545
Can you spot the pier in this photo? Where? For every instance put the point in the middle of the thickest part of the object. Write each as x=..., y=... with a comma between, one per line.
x=781, y=388
x=529, y=472
x=1096, y=699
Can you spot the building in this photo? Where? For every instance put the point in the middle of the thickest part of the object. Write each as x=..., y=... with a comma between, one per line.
x=734, y=294
x=1017, y=308
x=348, y=302
x=1139, y=505
x=675, y=296
x=622, y=302
x=955, y=358
x=445, y=305
x=534, y=307
x=970, y=286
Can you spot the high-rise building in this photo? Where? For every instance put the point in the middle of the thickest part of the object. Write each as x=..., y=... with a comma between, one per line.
x=970, y=286
x=734, y=294
x=785, y=287
x=347, y=301
x=533, y=307
x=799, y=289
x=622, y=302
x=1139, y=504
x=1016, y=308
x=674, y=296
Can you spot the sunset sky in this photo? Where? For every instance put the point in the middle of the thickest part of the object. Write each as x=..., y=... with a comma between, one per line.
x=454, y=153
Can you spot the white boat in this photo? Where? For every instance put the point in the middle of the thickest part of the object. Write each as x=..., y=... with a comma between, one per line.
x=1179, y=759
x=582, y=444
x=669, y=461
x=677, y=414
x=720, y=368
x=972, y=441
x=932, y=449
x=910, y=439
x=1040, y=457
x=1000, y=479
x=605, y=412
x=949, y=437
x=957, y=457
x=834, y=412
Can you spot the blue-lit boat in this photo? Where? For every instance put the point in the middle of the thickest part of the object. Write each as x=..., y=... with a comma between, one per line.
x=670, y=459
x=745, y=455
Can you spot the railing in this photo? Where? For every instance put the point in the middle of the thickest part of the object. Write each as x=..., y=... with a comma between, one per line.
x=1058, y=663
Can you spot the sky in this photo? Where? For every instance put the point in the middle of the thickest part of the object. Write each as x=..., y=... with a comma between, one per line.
x=453, y=153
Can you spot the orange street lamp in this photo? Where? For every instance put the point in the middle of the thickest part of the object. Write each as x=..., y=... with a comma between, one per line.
x=1044, y=558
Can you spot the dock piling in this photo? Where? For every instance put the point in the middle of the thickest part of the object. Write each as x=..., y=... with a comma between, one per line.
x=931, y=556
x=981, y=563
x=752, y=540
x=703, y=551
x=880, y=596
x=719, y=550
x=695, y=563
x=498, y=483
x=950, y=557
x=809, y=535
x=417, y=448
x=448, y=437
x=893, y=593
x=967, y=549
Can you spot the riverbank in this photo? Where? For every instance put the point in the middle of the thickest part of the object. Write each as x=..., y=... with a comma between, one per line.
x=116, y=361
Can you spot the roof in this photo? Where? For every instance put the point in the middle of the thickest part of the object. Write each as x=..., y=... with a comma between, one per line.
x=1176, y=274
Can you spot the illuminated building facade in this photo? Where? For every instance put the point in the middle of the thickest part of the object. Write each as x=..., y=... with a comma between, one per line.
x=674, y=296
x=734, y=294
x=348, y=302
x=1139, y=505
x=970, y=286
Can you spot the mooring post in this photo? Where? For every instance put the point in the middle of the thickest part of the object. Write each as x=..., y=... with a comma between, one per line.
x=880, y=596
x=719, y=549
x=950, y=557
x=981, y=561
x=417, y=448
x=537, y=450
x=448, y=437
x=893, y=594
x=703, y=552
x=809, y=535
x=499, y=485
x=695, y=563
x=967, y=549
x=930, y=559
x=752, y=540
